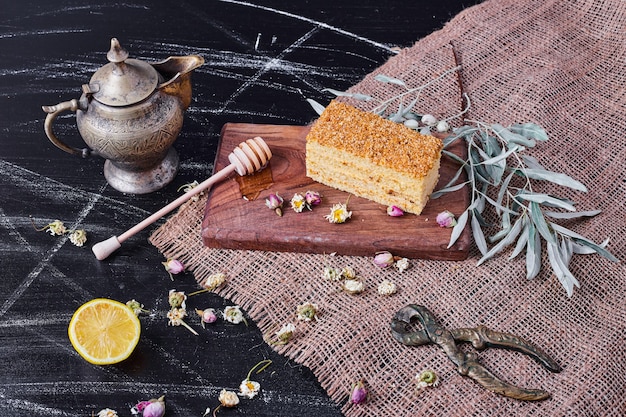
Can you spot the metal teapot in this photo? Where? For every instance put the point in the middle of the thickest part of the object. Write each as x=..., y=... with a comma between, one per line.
x=130, y=113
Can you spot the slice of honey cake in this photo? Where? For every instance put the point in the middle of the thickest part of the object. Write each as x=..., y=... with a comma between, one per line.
x=372, y=157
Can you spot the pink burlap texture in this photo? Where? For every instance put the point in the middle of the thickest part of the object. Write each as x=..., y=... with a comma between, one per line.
x=561, y=64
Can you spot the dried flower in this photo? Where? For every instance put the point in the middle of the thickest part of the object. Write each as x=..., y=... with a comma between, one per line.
x=298, y=203
x=78, y=237
x=313, y=198
x=331, y=274
x=383, y=259
x=228, y=398
x=207, y=316
x=177, y=299
x=285, y=334
x=446, y=219
x=339, y=213
x=359, y=393
x=348, y=272
x=353, y=286
x=249, y=389
x=427, y=378
x=307, y=312
x=234, y=315
x=402, y=264
x=395, y=211
x=173, y=266
x=107, y=412
x=275, y=202
x=136, y=306
x=386, y=287
x=176, y=316
x=188, y=187
x=56, y=228
x=429, y=120
x=152, y=408
x=214, y=281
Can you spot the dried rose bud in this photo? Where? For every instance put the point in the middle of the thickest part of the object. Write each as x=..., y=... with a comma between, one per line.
x=228, y=398
x=395, y=211
x=207, y=315
x=313, y=198
x=446, y=219
x=173, y=266
x=275, y=202
x=152, y=408
x=383, y=259
x=359, y=393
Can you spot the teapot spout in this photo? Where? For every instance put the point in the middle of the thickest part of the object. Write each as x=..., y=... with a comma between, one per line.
x=176, y=71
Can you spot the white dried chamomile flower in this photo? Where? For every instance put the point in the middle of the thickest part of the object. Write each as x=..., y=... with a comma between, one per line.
x=298, y=203
x=427, y=378
x=402, y=264
x=331, y=274
x=214, y=281
x=348, y=272
x=353, y=286
x=107, y=412
x=307, y=312
x=339, y=213
x=386, y=287
x=249, y=389
x=78, y=237
x=233, y=314
x=285, y=334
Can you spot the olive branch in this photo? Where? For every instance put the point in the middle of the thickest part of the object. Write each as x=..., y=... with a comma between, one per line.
x=501, y=176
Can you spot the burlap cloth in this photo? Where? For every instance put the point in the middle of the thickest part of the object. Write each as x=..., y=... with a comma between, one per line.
x=561, y=64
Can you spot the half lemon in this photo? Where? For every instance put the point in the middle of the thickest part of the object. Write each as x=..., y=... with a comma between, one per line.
x=104, y=331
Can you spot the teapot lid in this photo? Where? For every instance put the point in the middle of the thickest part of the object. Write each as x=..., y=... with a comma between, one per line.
x=123, y=81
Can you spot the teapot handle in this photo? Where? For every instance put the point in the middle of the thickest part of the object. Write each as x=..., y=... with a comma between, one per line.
x=53, y=112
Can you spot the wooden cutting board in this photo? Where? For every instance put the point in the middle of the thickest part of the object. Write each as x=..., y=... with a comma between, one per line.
x=232, y=222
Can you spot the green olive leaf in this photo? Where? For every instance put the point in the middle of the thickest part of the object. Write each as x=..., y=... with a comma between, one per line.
x=530, y=131
x=458, y=229
x=546, y=199
x=389, y=80
x=533, y=252
x=511, y=137
x=554, y=177
x=356, y=96
x=319, y=109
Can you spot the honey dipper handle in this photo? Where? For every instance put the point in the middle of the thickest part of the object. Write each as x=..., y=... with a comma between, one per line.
x=103, y=249
x=250, y=156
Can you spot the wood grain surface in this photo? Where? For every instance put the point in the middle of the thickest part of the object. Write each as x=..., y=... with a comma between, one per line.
x=236, y=223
